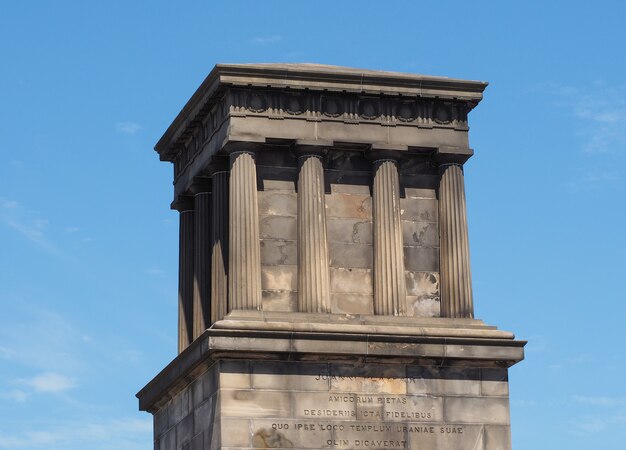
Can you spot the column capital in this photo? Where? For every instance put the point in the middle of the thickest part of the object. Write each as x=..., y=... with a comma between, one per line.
x=234, y=146
x=182, y=203
x=446, y=155
x=305, y=147
x=379, y=153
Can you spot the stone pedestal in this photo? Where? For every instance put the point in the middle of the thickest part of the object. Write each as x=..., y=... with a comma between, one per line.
x=259, y=381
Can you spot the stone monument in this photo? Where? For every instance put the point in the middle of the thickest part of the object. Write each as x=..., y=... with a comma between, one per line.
x=325, y=296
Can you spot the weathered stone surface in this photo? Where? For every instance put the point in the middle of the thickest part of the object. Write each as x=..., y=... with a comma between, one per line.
x=279, y=301
x=255, y=403
x=343, y=188
x=349, y=206
x=487, y=410
x=411, y=192
x=351, y=281
x=420, y=234
x=278, y=227
x=352, y=303
x=279, y=278
x=273, y=203
x=421, y=259
x=358, y=256
x=495, y=382
x=276, y=252
x=497, y=437
x=350, y=231
x=419, y=210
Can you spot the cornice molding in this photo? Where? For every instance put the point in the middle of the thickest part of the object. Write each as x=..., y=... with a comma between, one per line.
x=296, y=83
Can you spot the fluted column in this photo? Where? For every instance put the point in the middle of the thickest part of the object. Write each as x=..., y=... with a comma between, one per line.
x=219, y=245
x=202, y=261
x=244, y=274
x=389, y=281
x=456, y=280
x=185, y=273
x=313, y=271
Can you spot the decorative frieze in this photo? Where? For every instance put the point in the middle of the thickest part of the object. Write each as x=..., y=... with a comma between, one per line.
x=349, y=108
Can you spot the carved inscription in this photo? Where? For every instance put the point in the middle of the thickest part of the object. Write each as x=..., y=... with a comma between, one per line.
x=346, y=412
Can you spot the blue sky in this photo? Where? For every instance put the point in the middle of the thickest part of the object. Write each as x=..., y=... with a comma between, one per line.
x=88, y=246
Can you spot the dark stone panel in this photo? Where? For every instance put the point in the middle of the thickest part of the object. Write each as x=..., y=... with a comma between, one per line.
x=348, y=160
x=422, y=181
x=276, y=157
x=421, y=259
x=415, y=165
x=340, y=177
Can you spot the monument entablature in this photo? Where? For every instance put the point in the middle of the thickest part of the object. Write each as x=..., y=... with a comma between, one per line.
x=325, y=294
x=269, y=103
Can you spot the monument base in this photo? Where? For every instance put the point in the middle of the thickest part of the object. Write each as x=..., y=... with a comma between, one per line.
x=255, y=381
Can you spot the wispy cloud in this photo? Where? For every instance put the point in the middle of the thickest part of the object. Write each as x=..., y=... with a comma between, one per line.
x=127, y=127
x=154, y=271
x=603, y=413
x=599, y=400
x=120, y=434
x=48, y=382
x=72, y=229
x=28, y=225
x=267, y=40
x=601, y=112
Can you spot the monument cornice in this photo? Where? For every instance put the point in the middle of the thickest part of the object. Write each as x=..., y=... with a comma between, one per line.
x=327, y=91
x=466, y=343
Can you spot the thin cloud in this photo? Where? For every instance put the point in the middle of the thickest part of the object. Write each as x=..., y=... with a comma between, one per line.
x=601, y=111
x=49, y=382
x=33, y=228
x=72, y=229
x=122, y=434
x=154, y=271
x=127, y=128
x=599, y=400
x=267, y=40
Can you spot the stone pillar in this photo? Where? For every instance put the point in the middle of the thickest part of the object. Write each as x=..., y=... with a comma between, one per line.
x=313, y=268
x=389, y=280
x=244, y=274
x=185, y=272
x=202, y=258
x=456, y=280
x=219, y=243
